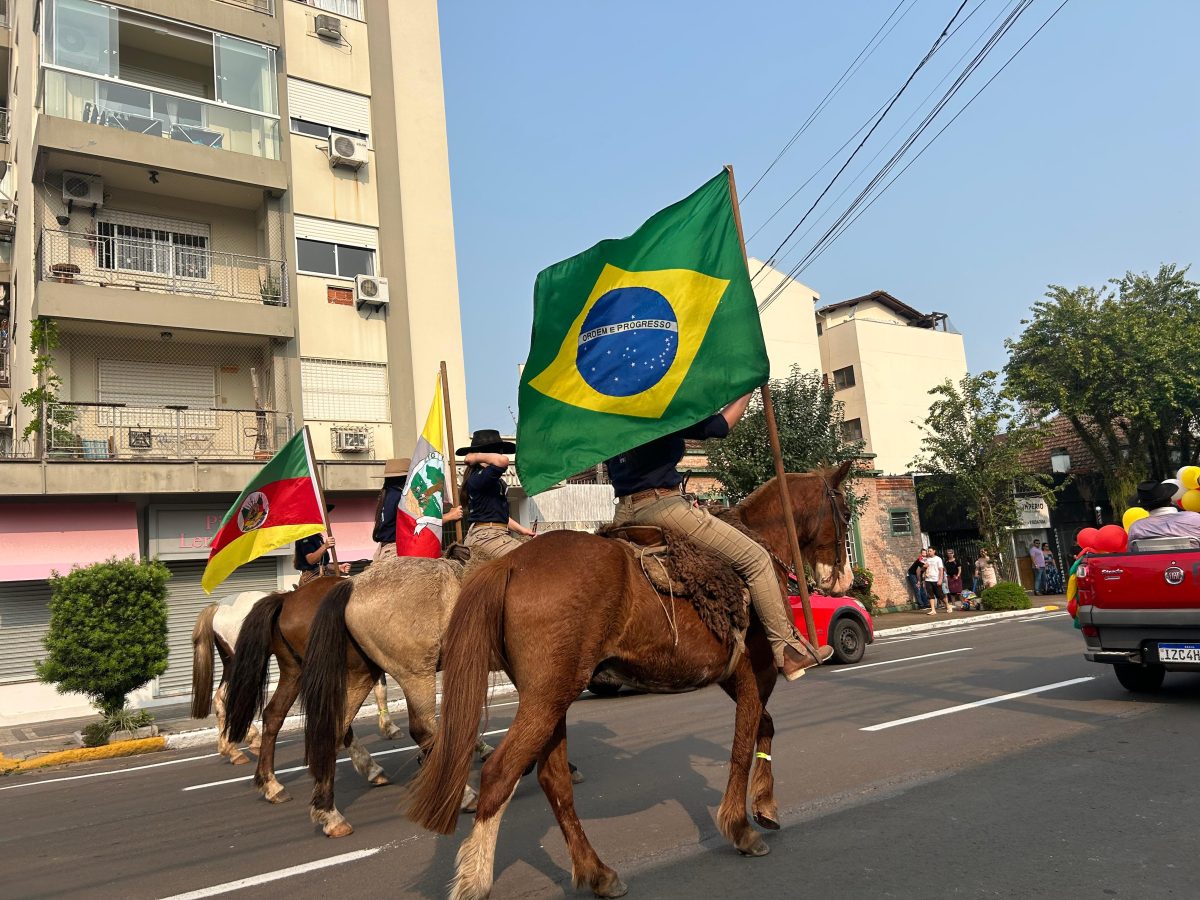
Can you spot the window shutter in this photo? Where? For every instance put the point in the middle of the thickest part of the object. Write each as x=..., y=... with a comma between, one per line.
x=336, y=391
x=337, y=232
x=340, y=110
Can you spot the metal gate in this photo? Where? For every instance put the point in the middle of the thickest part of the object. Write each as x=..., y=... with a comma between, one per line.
x=185, y=599
x=24, y=621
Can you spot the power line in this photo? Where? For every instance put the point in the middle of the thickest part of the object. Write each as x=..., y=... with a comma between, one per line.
x=936, y=44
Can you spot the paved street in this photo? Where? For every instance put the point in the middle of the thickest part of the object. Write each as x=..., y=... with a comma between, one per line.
x=894, y=780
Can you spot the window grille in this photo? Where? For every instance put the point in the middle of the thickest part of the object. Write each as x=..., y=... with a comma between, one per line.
x=900, y=521
x=337, y=391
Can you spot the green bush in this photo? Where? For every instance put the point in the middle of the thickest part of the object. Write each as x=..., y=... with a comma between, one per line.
x=108, y=631
x=862, y=589
x=1005, y=595
x=97, y=734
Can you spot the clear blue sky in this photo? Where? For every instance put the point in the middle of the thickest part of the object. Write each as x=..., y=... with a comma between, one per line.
x=570, y=122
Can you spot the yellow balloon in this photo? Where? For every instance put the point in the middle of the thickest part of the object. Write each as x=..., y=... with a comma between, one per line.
x=1190, y=476
x=1072, y=588
x=1191, y=501
x=1132, y=515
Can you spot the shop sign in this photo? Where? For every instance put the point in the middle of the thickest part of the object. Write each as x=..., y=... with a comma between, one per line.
x=1034, y=512
x=187, y=532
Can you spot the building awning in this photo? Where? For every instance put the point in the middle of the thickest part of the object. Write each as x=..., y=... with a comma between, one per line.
x=39, y=538
x=352, y=521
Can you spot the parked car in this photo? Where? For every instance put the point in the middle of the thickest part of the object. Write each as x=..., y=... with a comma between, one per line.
x=842, y=622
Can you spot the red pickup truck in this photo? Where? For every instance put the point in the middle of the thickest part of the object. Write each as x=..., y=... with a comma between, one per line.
x=1140, y=610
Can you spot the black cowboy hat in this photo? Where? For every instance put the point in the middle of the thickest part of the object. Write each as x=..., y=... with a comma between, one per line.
x=487, y=440
x=1154, y=494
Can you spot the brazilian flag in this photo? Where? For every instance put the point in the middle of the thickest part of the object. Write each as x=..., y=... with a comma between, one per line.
x=637, y=338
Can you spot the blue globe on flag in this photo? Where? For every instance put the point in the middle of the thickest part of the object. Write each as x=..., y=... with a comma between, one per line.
x=628, y=341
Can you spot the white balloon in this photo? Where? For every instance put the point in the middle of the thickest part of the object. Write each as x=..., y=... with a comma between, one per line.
x=1180, y=490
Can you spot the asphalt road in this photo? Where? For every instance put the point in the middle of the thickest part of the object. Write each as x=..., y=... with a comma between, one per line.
x=1076, y=790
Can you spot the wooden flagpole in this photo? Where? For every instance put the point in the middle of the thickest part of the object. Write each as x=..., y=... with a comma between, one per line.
x=450, y=459
x=785, y=496
x=316, y=474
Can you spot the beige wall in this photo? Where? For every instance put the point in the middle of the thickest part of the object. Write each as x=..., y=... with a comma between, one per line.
x=788, y=324
x=325, y=192
x=331, y=331
x=894, y=367
x=322, y=439
x=345, y=65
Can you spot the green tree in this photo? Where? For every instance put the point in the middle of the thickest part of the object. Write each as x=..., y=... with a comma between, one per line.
x=1118, y=364
x=972, y=443
x=108, y=631
x=810, y=433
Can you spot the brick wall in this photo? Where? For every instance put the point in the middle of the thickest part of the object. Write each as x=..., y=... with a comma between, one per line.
x=886, y=554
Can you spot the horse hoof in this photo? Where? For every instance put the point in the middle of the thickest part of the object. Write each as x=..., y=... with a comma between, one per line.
x=614, y=888
x=381, y=779
x=393, y=734
x=240, y=760
x=758, y=848
x=341, y=829
x=765, y=821
x=576, y=776
x=280, y=796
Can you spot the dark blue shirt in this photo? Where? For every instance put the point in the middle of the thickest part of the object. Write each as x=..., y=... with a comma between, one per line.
x=653, y=465
x=308, y=545
x=487, y=496
x=385, y=528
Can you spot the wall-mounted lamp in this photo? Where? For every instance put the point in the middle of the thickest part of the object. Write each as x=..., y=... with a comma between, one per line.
x=1060, y=461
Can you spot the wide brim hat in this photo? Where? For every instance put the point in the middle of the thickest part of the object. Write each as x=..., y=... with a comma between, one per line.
x=394, y=468
x=487, y=440
x=1154, y=494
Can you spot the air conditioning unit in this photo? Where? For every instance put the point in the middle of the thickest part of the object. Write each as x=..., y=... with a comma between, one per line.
x=347, y=151
x=83, y=189
x=370, y=290
x=329, y=27
x=351, y=440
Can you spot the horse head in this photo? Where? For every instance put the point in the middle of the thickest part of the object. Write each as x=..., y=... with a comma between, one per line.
x=822, y=519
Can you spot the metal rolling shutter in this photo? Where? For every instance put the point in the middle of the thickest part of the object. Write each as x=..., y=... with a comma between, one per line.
x=323, y=105
x=138, y=383
x=24, y=621
x=185, y=599
x=332, y=232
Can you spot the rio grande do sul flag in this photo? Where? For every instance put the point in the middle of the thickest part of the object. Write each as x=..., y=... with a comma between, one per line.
x=280, y=505
x=419, y=515
x=638, y=338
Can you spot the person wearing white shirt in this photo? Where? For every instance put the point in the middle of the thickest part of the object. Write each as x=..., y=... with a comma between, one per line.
x=934, y=569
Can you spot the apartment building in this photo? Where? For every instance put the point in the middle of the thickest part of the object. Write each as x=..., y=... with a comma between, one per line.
x=882, y=357
x=220, y=220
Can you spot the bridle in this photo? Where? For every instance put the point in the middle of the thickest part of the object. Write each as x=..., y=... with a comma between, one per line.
x=841, y=525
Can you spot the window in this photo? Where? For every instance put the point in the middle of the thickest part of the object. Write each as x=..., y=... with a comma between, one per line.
x=852, y=430
x=351, y=8
x=843, y=378
x=317, y=109
x=324, y=258
x=136, y=243
x=337, y=391
x=820, y=330
x=900, y=521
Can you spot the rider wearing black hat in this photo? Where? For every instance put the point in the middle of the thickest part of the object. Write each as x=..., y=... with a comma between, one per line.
x=1164, y=519
x=484, y=492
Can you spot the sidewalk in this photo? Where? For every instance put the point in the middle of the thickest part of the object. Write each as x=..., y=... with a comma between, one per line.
x=885, y=622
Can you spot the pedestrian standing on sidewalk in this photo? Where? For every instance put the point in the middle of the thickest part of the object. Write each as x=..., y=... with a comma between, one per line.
x=954, y=581
x=1039, y=567
x=916, y=581
x=985, y=571
x=934, y=569
x=1052, y=581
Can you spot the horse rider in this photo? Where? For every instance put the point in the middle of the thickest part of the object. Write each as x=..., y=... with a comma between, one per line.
x=391, y=495
x=647, y=483
x=484, y=495
x=313, y=559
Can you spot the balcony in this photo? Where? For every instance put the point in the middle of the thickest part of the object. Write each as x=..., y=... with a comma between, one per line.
x=117, y=431
x=162, y=264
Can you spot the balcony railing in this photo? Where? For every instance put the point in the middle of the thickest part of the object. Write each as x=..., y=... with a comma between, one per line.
x=161, y=265
x=160, y=113
x=4, y=366
x=116, y=431
x=3, y=124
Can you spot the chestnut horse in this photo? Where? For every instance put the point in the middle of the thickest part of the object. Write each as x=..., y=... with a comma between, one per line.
x=216, y=630
x=569, y=604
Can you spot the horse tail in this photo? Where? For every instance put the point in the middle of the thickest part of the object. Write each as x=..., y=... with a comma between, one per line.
x=247, y=693
x=474, y=638
x=323, y=682
x=202, y=662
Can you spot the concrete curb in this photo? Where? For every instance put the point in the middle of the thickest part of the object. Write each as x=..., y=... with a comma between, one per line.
x=83, y=754
x=953, y=621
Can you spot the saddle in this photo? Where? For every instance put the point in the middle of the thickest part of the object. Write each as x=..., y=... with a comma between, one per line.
x=675, y=566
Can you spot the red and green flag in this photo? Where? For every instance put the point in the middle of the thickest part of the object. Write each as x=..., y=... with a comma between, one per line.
x=419, y=516
x=280, y=505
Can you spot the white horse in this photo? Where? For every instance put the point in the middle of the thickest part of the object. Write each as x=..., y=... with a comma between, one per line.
x=217, y=628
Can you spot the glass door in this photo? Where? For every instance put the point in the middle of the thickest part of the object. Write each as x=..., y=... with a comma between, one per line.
x=245, y=74
x=84, y=37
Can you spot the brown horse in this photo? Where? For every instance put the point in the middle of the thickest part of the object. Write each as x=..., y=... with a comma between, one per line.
x=569, y=604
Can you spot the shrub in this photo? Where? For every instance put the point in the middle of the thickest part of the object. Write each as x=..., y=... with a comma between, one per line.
x=1005, y=595
x=108, y=631
x=862, y=589
x=97, y=734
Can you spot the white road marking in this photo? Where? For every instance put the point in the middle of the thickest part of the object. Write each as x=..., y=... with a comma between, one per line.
x=198, y=787
x=278, y=874
x=1061, y=615
x=169, y=762
x=888, y=662
x=989, y=700
x=940, y=632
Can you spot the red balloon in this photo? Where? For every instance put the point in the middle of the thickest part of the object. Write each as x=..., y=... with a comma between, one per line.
x=1111, y=539
x=1087, y=538
x=1072, y=607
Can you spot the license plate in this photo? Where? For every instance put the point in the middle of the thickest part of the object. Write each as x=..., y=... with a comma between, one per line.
x=1184, y=653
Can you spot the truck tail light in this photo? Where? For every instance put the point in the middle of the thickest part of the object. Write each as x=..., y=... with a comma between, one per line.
x=1091, y=631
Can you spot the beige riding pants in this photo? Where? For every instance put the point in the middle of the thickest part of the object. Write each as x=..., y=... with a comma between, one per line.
x=748, y=559
x=491, y=541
